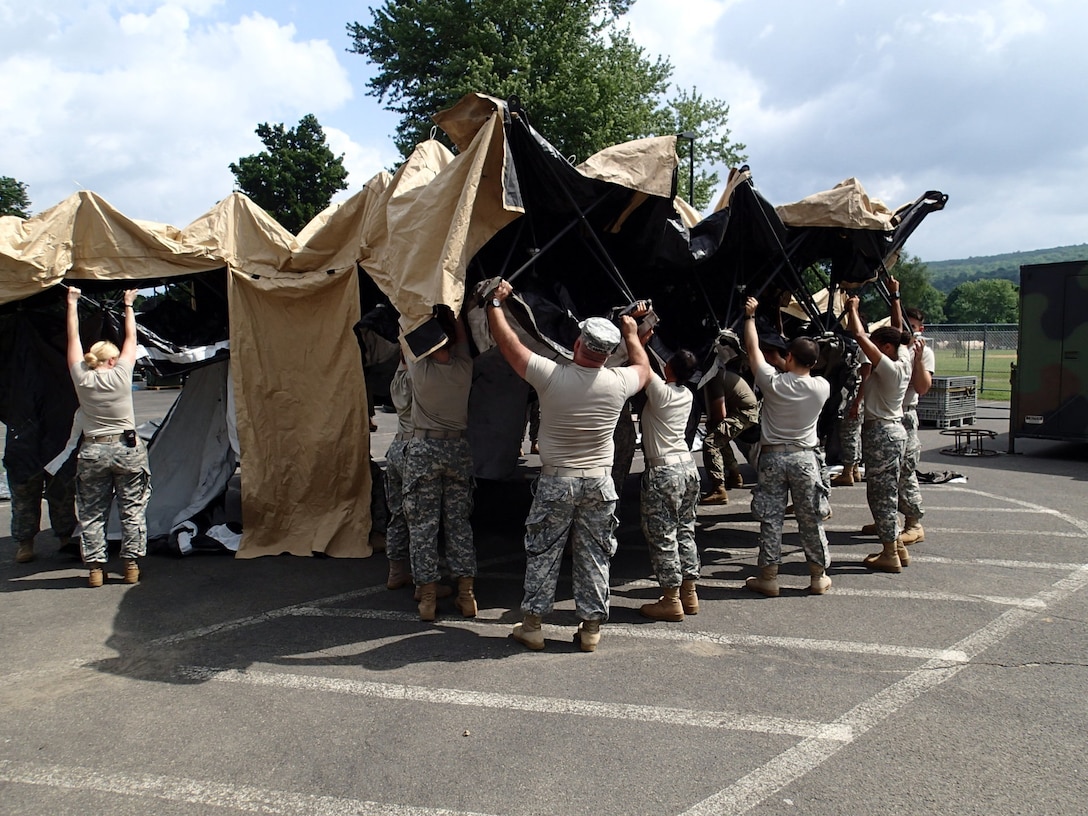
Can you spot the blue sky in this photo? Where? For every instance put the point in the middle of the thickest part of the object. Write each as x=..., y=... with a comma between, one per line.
x=147, y=102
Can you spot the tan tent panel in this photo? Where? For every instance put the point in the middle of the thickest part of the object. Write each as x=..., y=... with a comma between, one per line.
x=846, y=205
x=302, y=419
x=645, y=165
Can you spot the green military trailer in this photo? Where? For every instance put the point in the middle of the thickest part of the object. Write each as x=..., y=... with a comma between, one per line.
x=1050, y=379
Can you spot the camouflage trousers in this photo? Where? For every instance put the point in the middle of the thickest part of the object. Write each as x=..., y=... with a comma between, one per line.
x=850, y=438
x=669, y=496
x=581, y=509
x=798, y=474
x=105, y=471
x=59, y=492
x=910, y=495
x=396, y=526
x=884, y=444
x=437, y=490
x=718, y=456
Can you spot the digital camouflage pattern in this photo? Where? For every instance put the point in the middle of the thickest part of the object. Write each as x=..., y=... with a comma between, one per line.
x=59, y=492
x=850, y=437
x=782, y=475
x=910, y=495
x=438, y=488
x=581, y=509
x=884, y=445
x=396, y=526
x=669, y=497
x=103, y=472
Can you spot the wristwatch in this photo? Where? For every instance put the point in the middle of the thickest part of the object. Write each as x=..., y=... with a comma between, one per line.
x=895, y=296
x=495, y=303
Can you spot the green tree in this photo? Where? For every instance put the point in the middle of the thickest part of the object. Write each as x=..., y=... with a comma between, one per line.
x=984, y=301
x=583, y=80
x=707, y=120
x=13, y=198
x=915, y=290
x=296, y=177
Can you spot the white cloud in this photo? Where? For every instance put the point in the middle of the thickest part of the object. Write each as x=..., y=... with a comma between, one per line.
x=149, y=108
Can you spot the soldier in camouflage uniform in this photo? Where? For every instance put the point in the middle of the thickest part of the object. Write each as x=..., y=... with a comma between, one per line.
x=437, y=483
x=59, y=492
x=670, y=491
x=731, y=408
x=924, y=363
x=790, y=460
x=112, y=460
x=396, y=528
x=883, y=436
x=575, y=497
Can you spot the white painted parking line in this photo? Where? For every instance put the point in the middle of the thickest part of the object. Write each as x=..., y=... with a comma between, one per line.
x=206, y=793
x=718, y=720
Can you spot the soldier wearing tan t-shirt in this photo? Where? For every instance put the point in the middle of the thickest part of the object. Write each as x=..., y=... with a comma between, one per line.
x=575, y=497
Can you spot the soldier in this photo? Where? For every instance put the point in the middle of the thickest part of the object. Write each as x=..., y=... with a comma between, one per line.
x=789, y=457
x=437, y=480
x=921, y=380
x=26, y=503
x=575, y=497
x=670, y=491
x=396, y=527
x=850, y=436
x=112, y=459
x=882, y=433
x=731, y=408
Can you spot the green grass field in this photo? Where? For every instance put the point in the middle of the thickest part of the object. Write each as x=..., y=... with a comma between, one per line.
x=993, y=383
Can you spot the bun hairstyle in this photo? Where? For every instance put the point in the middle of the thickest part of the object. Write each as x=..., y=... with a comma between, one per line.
x=101, y=352
x=889, y=334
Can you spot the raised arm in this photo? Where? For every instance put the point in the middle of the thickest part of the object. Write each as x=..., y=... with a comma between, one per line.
x=128, y=348
x=895, y=317
x=868, y=348
x=751, y=336
x=513, y=350
x=921, y=379
x=75, y=347
x=636, y=354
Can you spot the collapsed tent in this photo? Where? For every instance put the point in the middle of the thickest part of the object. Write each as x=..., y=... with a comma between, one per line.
x=575, y=241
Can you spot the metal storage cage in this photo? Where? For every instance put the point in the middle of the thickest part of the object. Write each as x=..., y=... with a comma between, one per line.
x=950, y=402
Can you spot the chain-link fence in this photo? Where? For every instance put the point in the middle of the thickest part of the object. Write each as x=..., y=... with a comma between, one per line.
x=983, y=350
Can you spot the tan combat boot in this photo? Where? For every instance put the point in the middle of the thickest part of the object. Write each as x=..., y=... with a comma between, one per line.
x=717, y=495
x=734, y=479
x=912, y=532
x=844, y=479
x=887, y=560
x=427, y=602
x=466, y=598
x=132, y=571
x=440, y=591
x=869, y=529
x=820, y=583
x=399, y=574
x=25, y=553
x=689, y=598
x=588, y=635
x=904, y=556
x=766, y=583
x=667, y=607
x=857, y=473
x=528, y=632
x=96, y=575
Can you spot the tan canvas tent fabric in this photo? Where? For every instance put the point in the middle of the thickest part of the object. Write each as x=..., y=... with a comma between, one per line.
x=298, y=378
x=845, y=205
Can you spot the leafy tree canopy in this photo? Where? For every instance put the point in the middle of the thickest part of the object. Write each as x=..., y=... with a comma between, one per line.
x=296, y=177
x=14, y=199
x=582, y=78
x=984, y=301
x=914, y=288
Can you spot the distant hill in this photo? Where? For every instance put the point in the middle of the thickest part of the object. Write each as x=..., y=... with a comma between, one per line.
x=946, y=275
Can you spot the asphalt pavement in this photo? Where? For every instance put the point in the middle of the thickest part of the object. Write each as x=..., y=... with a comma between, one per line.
x=302, y=686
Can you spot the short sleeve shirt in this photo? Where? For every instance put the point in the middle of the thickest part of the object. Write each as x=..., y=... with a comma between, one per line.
x=105, y=395
x=886, y=387
x=579, y=408
x=665, y=418
x=791, y=406
x=440, y=391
